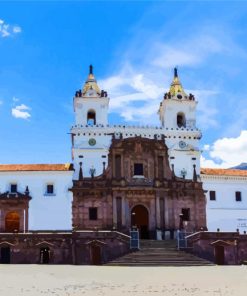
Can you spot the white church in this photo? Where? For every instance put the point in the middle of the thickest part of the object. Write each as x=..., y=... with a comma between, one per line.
x=48, y=184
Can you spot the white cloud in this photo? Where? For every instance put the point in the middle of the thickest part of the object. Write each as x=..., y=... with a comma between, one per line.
x=15, y=99
x=17, y=29
x=227, y=152
x=136, y=96
x=206, y=147
x=7, y=30
x=129, y=89
x=204, y=44
x=21, y=111
x=147, y=82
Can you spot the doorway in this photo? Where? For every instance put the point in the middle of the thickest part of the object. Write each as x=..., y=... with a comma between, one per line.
x=140, y=219
x=95, y=255
x=5, y=255
x=12, y=222
x=44, y=255
x=219, y=252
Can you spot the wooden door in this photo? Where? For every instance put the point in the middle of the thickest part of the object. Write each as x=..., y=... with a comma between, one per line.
x=95, y=255
x=5, y=255
x=219, y=255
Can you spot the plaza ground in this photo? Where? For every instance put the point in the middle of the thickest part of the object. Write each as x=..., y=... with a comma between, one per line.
x=62, y=280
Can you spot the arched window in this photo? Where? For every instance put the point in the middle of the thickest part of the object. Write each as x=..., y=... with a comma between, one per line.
x=181, y=122
x=91, y=117
x=12, y=222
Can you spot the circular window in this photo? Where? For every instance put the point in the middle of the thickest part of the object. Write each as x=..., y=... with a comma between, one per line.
x=182, y=144
x=92, y=142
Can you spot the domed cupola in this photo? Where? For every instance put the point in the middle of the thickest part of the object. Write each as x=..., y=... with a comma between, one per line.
x=176, y=90
x=91, y=87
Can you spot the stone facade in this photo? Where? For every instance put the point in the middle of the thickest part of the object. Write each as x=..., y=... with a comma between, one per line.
x=138, y=188
x=223, y=248
x=14, y=211
x=81, y=247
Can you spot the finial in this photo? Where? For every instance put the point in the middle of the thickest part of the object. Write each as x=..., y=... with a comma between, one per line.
x=80, y=172
x=90, y=69
x=173, y=173
x=175, y=72
x=27, y=191
x=194, y=173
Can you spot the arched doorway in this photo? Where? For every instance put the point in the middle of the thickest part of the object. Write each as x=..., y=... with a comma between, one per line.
x=5, y=255
x=140, y=219
x=95, y=255
x=44, y=255
x=219, y=252
x=12, y=222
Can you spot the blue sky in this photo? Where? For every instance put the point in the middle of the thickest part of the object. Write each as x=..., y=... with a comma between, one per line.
x=46, y=48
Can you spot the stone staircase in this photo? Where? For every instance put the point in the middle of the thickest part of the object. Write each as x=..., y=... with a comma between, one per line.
x=158, y=253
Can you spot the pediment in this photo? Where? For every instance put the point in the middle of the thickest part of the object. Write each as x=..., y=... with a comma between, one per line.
x=7, y=243
x=95, y=242
x=220, y=242
x=45, y=243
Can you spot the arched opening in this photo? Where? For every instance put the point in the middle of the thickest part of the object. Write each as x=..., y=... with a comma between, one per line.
x=95, y=255
x=5, y=255
x=12, y=222
x=91, y=117
x=219, y=253
x=44, y=255
x=140, y=219
x=181, y=122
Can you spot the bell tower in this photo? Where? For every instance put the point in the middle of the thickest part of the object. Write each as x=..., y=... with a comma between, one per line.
x=90, y=140
x=177, y=113
x=91, y=103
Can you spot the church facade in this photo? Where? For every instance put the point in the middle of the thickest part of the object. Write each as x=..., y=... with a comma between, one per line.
x=120, y=177
x=138, y=189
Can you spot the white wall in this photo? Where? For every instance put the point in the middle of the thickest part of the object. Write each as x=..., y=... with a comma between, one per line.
x=92, y=155
x=225, y=212
x=84, y=104
x=45, y=212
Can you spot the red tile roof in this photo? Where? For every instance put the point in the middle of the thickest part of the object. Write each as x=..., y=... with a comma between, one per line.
x=223, y=172
x=35, y=167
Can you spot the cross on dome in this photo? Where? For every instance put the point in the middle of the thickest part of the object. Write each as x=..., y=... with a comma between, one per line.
x=176, y=87
x=91, y=83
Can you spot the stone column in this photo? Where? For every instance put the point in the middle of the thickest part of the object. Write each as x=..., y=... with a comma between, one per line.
x=123, y=211
x=166, y=205
x=157, y=211
x=195, y=212
x=114, y=209
x=24, y=220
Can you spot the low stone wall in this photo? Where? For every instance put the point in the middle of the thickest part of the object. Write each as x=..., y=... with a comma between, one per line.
x=229, y=248
x=77, y=247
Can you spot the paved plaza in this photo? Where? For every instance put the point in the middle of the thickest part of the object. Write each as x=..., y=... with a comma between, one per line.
x=34, y=280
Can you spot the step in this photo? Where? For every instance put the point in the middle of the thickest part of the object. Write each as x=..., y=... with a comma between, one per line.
x=159, y=253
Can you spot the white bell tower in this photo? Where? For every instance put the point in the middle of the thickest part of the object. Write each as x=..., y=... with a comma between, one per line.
x=90, y=142
x=177, y=113
x=91, y=103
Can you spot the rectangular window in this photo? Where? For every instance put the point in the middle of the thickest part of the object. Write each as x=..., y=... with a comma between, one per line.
x=186, y=214
x=93, y=213
x=138, y=169
x=238, y=196
x=160, y=167
x=212, y=195
x=118, y=166
x=13, y=188
x=50, y=189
